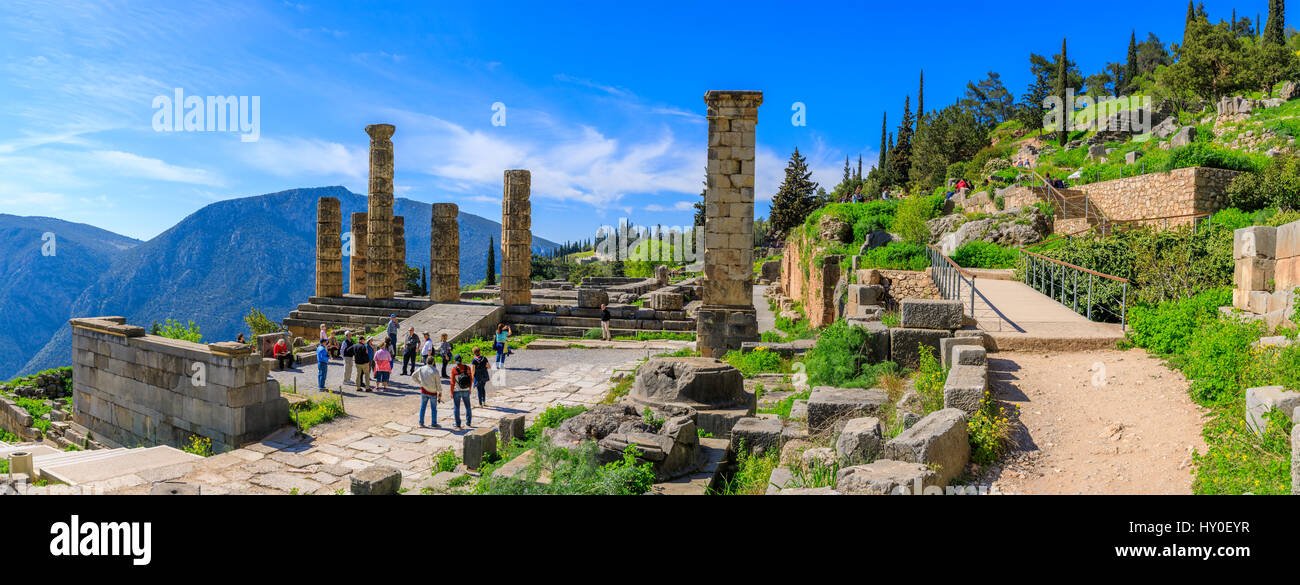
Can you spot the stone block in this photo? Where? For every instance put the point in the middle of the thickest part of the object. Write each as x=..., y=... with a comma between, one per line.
x=753, y=434
x=867, y=294
x=860, y=441
x=878, y=347
x=828, y=406
x=376, y=480
x=1282, y=301
x=968, y=355
x=938, y=441
x=948, y=344
x=886, y=477
x=905, y=344
x=592, y=298
x=511, y=426
x=1257, y=241
x=1295, y=458
x=771, y=270
x=965, y=387
x=1257, y=301
x=1286, y=274
x=1260, y=401
x=930, y=314
x=1288, y=240
x=1253, y=273
x=479, y=445
x=666, y=301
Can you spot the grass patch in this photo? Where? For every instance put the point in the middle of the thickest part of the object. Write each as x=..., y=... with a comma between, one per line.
x=753, y=473
x=318, y=411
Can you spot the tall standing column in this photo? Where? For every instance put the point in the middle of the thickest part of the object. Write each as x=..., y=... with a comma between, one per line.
x=516, y=240
x=727, y=317
x=329, y=247
x=444, y=254
x=357, y=262
x=379, y=228
x=399, y=254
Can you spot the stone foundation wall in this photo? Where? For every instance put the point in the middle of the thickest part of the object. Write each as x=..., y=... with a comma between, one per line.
x=907, y=284
x=813, y=287
x=1178, y=192
x=1013, y=197
x=1267, y=271
x=133, y=389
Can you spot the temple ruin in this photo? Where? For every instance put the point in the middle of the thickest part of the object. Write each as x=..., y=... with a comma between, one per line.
x=516, y=240
x=379, y=220
x=444, y=254
x=329, y=248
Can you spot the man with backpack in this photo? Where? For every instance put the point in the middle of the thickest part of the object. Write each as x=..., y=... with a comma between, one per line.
x=480, y=365
x=430, y=390
x=462, y=379
x=360, y=352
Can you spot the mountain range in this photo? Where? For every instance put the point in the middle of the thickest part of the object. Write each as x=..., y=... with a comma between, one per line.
x=211, y=268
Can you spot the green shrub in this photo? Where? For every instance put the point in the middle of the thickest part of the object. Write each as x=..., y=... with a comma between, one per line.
x=980, y=254
x=897, y=256
x=319, y=410
x=445, y=461
x=929, y=379
x=198, y=445
x=1237, y=461
x=1166, y=329
x=753, y=472
x=840, y=358
x=755, y=362
x=177, y=330
x=989, y=431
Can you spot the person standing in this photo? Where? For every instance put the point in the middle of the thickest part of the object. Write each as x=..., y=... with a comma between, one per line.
x=408, y=354
x=480, y=364
x=604, y=323
x=501, y=343
x=430, y=390
x=348, y=342
x=392, y=332
x=426, y=350
x=322, y=365
x=444, y=350
x=462, y=378
x=383, y=366
x=361, y=355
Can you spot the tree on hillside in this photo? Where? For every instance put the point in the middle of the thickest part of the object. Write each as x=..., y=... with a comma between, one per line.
x=1274, y=32
x=490, y=277
x=989, y=100
x=1212, y=64
x=949, y=135
x=848, y=172
x=1272, y=63
x=1031, y=111
x=1243, y=28
x=699, y=205
x=1067, y=115
x=1101, y=84
x=1151, y=54
x=884, y=131
x=920, y=99
x=1130, y=65
x=900, y=155
x=796, y=197
x=859, y=176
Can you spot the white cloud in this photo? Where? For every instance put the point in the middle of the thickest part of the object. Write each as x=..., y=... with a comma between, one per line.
x=152, y=168
x=301, y=156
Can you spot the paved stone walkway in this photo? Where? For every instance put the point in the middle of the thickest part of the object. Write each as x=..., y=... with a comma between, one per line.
x=1018, y=317
x=381, y=428
x=766, y=318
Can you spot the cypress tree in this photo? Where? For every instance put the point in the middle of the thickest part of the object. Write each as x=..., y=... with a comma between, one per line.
x=1187, y=23
x=1063, y=135
x=859, y=177
x=848, y=171
x=884, y=132
x=900, y=155
x=1131, y=66
x=920, y=100
x=491, y=274
x=1273, y=32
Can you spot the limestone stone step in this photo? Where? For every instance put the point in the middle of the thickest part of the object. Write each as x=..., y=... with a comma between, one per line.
x=313, y=320
x=383, y=312
x=109, y=463
x=558, y=331
x=414, y=303
x=35, y=450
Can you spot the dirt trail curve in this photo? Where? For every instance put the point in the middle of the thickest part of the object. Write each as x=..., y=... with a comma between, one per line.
x=1132, y=434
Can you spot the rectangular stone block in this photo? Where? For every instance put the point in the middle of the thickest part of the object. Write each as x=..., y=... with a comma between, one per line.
x=759, y=435
x=1288, y=240
x=479, y=445
x=905, y=344
x=1282, y=301
x=1286, y=274
x=511, y=427
x=1258, y=241
x=1253, y=273
x=867, y=294
x=1260, y=401
x=938, y=441
x=948, y=344
x=1258, y=302
x=930, y=314
x=965, y=386
x=828, y=406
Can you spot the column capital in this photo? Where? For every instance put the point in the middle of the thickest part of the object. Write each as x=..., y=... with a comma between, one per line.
x=733, y=98
x=380, y=131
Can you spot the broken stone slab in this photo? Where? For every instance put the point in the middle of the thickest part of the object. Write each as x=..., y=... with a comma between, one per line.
x=938, y=441
x=820, y=491
x=780, y=479
x=965, y=387
x=511, y=427
x=860, y=441
x=947, y=344
x=904, y=344
x=376, y=480
x=799, y=410
x=930, y=314
x=886, y=477
x=1257, y=241
x=479, y=445
x=753, y=434
x=828, y=405
x=817, y=457
x=1288, y=240
x=1274, y=341
x=1259, y=401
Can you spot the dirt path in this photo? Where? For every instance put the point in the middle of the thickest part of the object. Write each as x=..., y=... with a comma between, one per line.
x=1132, y=434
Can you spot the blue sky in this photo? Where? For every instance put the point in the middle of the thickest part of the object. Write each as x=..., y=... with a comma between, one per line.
x=603, y=100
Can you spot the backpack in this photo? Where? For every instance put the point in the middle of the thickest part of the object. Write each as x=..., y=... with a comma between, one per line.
x=462, y=378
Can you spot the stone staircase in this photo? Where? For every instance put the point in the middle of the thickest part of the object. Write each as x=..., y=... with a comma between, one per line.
x=351, y=311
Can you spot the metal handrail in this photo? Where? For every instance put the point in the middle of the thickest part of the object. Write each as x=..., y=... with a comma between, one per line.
x=948, y=276
x=1041, y=273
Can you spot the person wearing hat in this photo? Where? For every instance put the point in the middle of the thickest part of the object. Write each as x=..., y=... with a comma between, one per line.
x=462, y=379
x=392, y=331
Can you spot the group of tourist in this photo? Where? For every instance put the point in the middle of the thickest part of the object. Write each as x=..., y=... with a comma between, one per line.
x=367, y=357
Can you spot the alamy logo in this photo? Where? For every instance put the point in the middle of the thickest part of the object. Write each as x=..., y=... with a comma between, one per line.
x=215, y=113
x=92, y=539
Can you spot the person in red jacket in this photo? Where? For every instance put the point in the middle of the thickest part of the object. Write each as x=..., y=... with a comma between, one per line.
x=282, y=353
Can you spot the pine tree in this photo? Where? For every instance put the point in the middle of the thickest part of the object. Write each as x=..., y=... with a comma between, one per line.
x=848, y=172
x=900, y=155
x=920, y=100
x=796, y=197
x=1130, y=66
x=490, y=277
x=1063, y=134
x=1187, y=23
x=1273, y=29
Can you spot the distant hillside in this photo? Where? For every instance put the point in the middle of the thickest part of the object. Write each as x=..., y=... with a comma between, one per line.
x=236, y=254
x=37, y=290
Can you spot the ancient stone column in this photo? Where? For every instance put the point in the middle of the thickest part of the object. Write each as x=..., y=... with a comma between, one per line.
x=727, y=317
x=444, y=254
x=357, y=262
x=516, y=240
x=379, y=228
x=399, y=254
x=329, y=247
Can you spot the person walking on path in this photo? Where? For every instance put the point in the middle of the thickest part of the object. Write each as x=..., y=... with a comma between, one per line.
x=392, y=332
x=322, y=365
x=501, y=343
x=462, y=378
x=347, y=357
x=430, y=390
x=480, y=364
x=383, y=367
x=408, y=354
x=444, y=350
x=604, y=323
x=361, y=355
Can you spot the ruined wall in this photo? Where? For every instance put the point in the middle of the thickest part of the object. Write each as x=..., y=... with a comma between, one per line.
x=1267, y=271
x=17, y=420
x=811, y=286
x=1178, y=192
x=133, y=389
